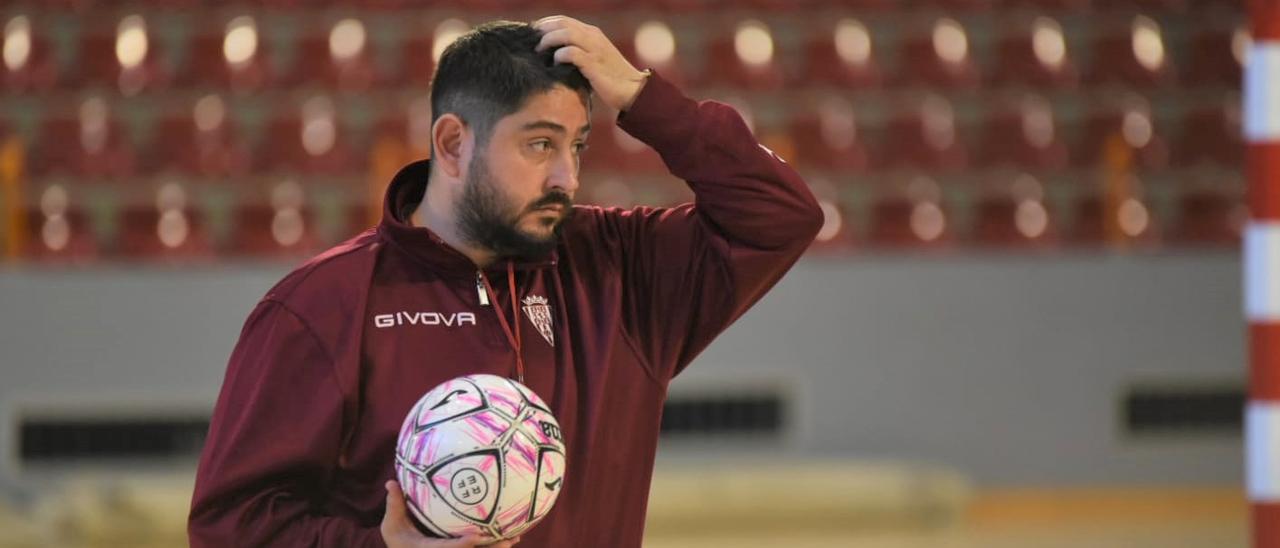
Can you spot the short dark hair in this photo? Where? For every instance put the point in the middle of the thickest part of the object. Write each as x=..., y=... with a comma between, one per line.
x=489, y=72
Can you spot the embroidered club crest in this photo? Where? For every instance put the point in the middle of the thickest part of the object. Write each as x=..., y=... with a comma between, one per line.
x=539, y=313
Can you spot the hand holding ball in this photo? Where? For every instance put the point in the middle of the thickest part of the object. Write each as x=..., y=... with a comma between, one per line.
x=480, y=454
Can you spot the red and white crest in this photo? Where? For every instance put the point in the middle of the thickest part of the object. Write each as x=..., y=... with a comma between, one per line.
x=539, y=313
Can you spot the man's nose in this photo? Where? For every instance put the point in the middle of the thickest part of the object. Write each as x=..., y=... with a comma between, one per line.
x=564, y=175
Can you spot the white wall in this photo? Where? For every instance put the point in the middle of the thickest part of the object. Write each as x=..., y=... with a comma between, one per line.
x=1009, y=367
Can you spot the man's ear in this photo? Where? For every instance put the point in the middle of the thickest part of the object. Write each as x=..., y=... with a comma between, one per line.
x=448, y=140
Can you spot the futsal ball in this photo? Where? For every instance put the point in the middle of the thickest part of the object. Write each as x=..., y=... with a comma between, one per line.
x=480, y=454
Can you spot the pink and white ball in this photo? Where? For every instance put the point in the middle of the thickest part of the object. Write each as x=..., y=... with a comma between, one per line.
x=480, y=454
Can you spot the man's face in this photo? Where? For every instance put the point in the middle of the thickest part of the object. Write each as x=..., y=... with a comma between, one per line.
x=519, y=186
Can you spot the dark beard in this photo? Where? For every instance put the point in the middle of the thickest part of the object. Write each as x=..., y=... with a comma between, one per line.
x=485, y=219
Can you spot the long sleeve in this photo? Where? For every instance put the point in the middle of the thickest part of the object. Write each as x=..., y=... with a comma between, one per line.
x=273, y=443
x=692, y=270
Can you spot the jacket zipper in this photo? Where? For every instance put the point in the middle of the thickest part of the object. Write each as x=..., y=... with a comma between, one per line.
x=484, y=295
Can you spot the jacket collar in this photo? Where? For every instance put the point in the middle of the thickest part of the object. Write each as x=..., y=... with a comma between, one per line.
x=402, y=198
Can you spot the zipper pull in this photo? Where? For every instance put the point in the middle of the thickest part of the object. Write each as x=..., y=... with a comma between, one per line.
x=484, y=295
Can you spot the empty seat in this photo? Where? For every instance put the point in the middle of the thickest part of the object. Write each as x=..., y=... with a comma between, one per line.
x=1035, y=55
x=1025, y=136
x=829, y=137
x=339, y=57
x=166, y=230
x=409, y=128
x=654, y=45
x=420, y=51
x=747, y=59
x=58, y=230
x=611, y=148
x=1148, y=5
x=909, y=216
x=234, y=58
x=202, y=141
x=1052, y=5
x=1135, y=55
x=964, y=5
x=1209, y=217
x=1116, y=219
x=940, y=58
x=1013, y=215
x=29, y=65
x=836, y=234
x=844, y=57
x=311, y=141
x=925, y=137
x=126, y=57
x=1211, y=135
x=1129, y=120
x=1217, y=57
x=92, y=145
x=281, y=228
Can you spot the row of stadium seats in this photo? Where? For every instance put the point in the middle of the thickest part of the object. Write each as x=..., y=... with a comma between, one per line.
x=126, y=52
x=672, y=5
x=208, y=138
x=290, y=221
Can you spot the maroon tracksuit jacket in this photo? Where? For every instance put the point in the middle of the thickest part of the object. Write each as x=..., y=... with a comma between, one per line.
x=333, y=357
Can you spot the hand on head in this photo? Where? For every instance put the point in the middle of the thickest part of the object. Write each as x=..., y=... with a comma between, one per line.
x=613, y=78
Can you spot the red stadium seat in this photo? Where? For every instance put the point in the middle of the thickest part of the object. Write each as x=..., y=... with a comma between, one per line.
x=910, y=217
x=1135, y=55
x=606, y=189
x=684, y=6
x=29, y=65
x=1025, y=136
x=234, y=58
x=829, y=138
x=836, y=235
x=1118, y=220
x=844, y=58
x=1013, y=216
x=59, y=230
x=419, y=52
x=964, y=5
x=1149, y=5
x=609, y=147
x=292, y=4
x=939, y=58
x=1131, y=121
x=654, y=45
x=409, y=127
x=925, y=138
x=747, y=59
x=200, y=142
x=1035, y=55
x=500, y=6
x=166, y=230
x=339, y=57
x=92, y=146
x=1207, y=216
x=1051, y=5
x=1211, y=134
x=281, y=228
x=311, y=141
x=1217, y=57
x=125, y=57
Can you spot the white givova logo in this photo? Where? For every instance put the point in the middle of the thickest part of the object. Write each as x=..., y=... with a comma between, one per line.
x=424, y=318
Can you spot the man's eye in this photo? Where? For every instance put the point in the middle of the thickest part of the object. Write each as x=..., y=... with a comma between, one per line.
x=541, y=146
x=579, y=148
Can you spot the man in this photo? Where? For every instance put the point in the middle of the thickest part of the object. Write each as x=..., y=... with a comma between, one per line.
x=301, y=445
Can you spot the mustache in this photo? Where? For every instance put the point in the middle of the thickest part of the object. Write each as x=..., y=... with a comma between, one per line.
x=553, y=198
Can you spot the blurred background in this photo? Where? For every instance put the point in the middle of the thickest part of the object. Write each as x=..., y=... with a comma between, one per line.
x=1020, y=325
